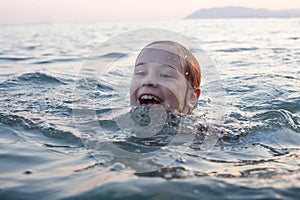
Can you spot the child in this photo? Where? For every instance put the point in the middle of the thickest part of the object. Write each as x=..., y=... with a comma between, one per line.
x=167, y=76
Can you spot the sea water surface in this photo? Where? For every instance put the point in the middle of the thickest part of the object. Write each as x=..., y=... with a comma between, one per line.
x=51, y=146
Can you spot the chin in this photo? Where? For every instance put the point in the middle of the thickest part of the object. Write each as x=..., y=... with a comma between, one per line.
x=155, y=106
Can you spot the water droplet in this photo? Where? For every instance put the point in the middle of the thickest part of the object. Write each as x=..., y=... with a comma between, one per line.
x=168, y=175
x=118, y=167
x=208, y=100
x=137, y=151
x=196, y=191
x=27, y=172
x=181, y=160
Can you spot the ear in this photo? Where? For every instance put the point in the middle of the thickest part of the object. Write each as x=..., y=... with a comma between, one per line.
x=192, y=99
x=198, y=92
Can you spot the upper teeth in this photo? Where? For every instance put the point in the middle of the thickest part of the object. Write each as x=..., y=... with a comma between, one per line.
x=150, y=97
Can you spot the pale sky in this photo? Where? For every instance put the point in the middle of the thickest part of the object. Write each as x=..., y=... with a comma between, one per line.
x=37, y=11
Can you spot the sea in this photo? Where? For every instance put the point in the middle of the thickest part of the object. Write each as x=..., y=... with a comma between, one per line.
x=66, y=125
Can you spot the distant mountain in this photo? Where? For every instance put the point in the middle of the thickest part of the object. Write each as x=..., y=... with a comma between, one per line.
x=241, y=12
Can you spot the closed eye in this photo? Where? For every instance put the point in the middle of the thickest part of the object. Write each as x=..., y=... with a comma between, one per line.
x=168, y=72
x=140, y=73
x=164, y=75
x=140, y=70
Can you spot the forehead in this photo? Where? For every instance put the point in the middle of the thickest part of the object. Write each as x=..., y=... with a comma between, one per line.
x=158, y=55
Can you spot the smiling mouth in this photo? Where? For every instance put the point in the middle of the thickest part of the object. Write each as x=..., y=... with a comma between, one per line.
x=148, y=99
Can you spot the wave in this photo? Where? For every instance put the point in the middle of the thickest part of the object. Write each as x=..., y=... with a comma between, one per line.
x=108, y=55
x=237, y=49
x=60, y=137
x=89, y=84
x=279, y=118
x=294, y=38
x=16, y=58
x=62, y=60
x=33, y=78
x=238, y=125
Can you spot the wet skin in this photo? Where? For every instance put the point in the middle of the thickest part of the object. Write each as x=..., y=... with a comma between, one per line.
x=158, y=81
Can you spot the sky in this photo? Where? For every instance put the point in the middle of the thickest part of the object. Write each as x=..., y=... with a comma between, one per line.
x=40, y=11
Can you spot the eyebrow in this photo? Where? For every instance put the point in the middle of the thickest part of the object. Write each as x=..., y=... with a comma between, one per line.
x=164, y=65
x=139, y=64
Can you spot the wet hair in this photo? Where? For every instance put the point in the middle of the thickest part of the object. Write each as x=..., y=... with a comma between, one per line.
x=190, y=65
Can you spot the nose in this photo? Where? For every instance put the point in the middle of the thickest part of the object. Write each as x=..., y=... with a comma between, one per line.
x=150, y=80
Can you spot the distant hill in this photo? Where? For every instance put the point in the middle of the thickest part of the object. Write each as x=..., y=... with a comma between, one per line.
x=241, y=12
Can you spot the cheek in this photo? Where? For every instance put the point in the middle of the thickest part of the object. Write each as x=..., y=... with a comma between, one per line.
x=171, y=99
x=178, y=88
x=174, y=95
x=180, y=93
x=135, y=83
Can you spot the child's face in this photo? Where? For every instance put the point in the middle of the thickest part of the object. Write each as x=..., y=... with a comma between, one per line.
x=158, y=81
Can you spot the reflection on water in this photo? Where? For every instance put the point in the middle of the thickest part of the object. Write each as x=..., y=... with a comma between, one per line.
x=48, y=153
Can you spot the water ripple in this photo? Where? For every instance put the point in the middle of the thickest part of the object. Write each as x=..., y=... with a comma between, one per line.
x=16, y=58
x=32, y=78
x=49, y=130
x=233, y=50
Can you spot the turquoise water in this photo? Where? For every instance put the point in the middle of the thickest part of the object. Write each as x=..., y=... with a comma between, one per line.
x=58, y=129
